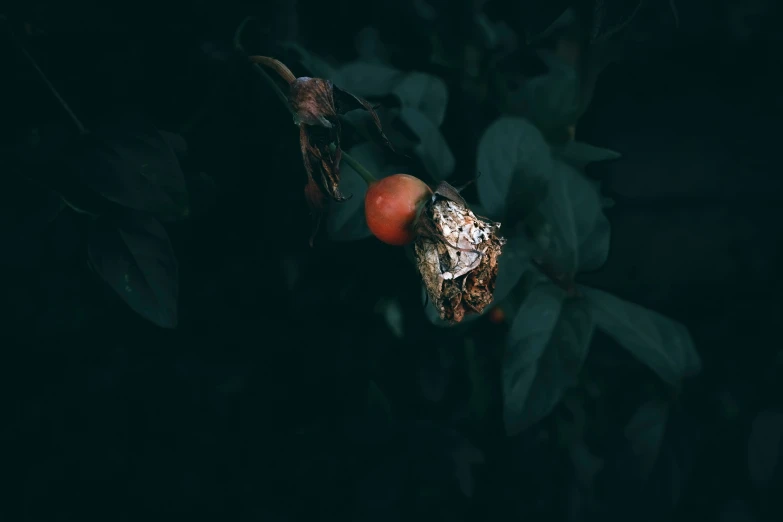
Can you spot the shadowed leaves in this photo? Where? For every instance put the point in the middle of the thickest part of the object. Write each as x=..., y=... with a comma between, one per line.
x=134, y=256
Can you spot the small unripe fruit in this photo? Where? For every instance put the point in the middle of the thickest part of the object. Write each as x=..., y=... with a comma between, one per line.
x=391, y=206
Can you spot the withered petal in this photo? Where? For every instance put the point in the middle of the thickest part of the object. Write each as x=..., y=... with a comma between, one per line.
x=345, y=102
x=457, y=284
x=304, y=146
x=312, y=100
x=450, y=192
x=329, y=167
x=318, y=153
x=317, y=203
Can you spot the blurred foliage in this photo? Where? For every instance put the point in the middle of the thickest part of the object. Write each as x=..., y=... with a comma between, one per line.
x=302, y=383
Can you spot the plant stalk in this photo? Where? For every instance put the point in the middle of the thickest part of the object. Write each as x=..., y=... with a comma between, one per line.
x=42, y=76
x=366, y=175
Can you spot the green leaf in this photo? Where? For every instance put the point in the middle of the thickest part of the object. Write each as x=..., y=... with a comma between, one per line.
x=580, y=232
x=368, y=80
x=426, y=93
x=514, y=261
x=369, y=46
x=515, y=163
x=133, y=255
x=132, y=164
x=662, y=344
x=316, y=66
x=391, y=311
x=545, y=351
x=346, y=221
x=645, y=433
x=552, y=101
x=415, y=90
x=432, y=149
x=581, y=154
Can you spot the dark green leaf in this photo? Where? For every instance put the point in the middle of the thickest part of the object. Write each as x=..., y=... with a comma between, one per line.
x=316, y=66
x=368, y=80
x=391, y=312
x=132, y=164
x=42, y=154
x=602, y=54
x=496, y=35
x=465, y=456
x=432, y=149
x=513, y=263
x=425, y=10
x=586, y=464
x=426, y=93
x=552, y=100
x=662, y=344
x=346, y=221
x=545, y=350
x=580, y=232
x=765, y=446
x=645, y=433
x=369, y=46
x=515, y=163
x=415, y=90
x=176, y=142
x=134, y=256
x=580, y=154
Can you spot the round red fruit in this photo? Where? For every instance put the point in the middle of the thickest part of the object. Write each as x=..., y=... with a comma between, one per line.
x=391, y=206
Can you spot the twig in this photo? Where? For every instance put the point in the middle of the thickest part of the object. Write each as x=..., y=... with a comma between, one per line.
x=267, y=78
x=34, y=65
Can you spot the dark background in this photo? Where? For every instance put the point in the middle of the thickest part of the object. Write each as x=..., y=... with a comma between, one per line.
x=256, y=406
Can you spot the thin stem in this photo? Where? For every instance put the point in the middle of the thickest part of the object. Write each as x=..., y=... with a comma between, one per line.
x=358, y=167
x=267, y=78
x=31, y=61
x=273, y=84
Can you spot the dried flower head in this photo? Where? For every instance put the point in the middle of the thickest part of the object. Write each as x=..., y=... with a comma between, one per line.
x=316, y=104
x=457, y=255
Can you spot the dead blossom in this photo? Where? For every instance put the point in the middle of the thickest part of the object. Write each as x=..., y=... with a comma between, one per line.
x=457, y=255
x=316, y=104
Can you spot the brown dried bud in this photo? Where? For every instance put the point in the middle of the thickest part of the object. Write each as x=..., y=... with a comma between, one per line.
x=316, y=104
x=457, y=255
